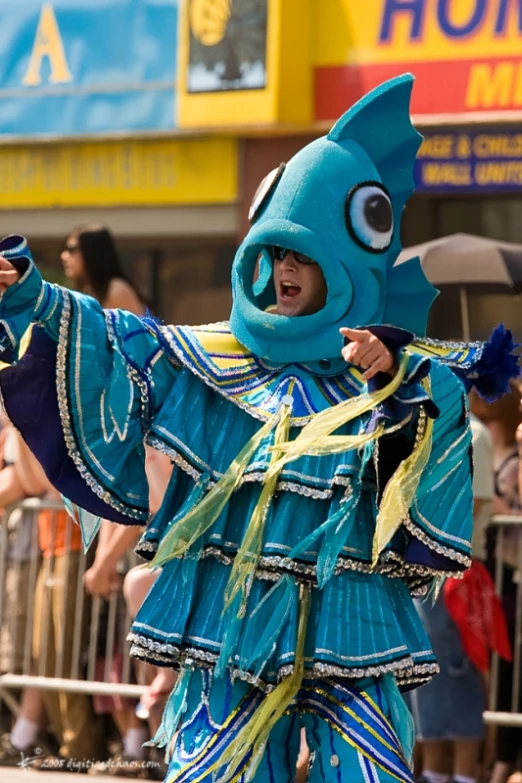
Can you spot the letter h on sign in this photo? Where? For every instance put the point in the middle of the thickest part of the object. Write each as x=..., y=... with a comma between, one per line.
x=414, y=8
x=445, y=10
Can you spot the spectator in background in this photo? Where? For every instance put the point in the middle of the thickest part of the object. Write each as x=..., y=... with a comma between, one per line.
x=91, y=261
x=517, y=776
x=502, y=419
x=448, y=711
x=55, y=598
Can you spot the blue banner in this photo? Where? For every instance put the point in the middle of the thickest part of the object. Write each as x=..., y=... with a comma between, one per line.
x=470, y=162
x=75, y=67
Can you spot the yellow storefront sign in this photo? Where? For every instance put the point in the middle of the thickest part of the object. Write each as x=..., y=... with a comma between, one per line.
x=387, y=31
x=466, y=55
x=119, y=173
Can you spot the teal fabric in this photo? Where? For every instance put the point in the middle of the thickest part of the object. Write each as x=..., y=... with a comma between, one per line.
x=339, y=745
x=112, y=377
x=305, y=211
x=362, y=620
x=18, y=302
x=353, y=628
x=442, y=509
x=258, y=386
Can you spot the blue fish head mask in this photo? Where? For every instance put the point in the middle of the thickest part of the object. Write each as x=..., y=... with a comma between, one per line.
x=338, y=201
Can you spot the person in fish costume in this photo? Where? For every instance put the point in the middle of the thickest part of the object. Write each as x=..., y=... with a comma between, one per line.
x=309, y=502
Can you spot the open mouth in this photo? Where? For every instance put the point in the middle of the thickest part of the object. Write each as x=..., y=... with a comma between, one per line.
x=288, y=290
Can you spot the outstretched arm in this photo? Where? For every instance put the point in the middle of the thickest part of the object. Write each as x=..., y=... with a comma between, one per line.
x=82, y=385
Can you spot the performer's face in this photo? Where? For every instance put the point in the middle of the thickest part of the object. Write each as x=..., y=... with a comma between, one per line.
x=299, y=283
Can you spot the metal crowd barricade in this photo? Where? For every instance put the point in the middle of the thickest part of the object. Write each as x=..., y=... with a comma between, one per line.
x=23, y=569
x=33, y=621
x=508, y=545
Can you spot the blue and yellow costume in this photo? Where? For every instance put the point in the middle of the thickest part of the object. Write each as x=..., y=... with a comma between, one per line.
x=305, y=506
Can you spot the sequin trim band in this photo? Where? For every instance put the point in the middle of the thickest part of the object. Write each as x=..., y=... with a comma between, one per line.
x=175, y=457
x=284, y=485
x=65, y=418
x=452, y=554
x=405, y=669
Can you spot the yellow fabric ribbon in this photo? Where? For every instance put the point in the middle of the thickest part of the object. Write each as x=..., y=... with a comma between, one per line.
x=401, y=488
x=254, y=735
x=202, y=516
x=316, y=439
x=247, y=558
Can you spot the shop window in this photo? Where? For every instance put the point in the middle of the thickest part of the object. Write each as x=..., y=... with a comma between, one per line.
x=497, y=218
x=194, y=284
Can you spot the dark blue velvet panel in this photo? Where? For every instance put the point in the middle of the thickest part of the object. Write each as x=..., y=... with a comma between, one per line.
x=29, y=391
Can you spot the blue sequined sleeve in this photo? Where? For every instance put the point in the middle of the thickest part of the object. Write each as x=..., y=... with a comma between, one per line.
x=440, y=523
x=82, y=386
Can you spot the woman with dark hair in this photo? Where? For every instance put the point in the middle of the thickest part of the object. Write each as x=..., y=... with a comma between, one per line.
x=90, y=259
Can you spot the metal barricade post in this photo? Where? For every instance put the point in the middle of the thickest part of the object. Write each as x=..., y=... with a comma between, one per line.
x=508, y=566
x=53, y=636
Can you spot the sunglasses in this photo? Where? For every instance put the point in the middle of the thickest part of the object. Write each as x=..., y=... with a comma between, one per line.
x=280, y=253
x=72, y=247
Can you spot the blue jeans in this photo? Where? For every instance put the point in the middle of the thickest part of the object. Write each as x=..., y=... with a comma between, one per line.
x=450, y=707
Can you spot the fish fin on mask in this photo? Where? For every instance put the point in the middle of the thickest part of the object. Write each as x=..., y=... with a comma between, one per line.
x=409, y=296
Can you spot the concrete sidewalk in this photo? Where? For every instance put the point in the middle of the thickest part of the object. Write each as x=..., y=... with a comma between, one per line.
x=14, y=775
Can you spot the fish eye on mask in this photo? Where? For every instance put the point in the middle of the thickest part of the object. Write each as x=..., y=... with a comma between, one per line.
x=264, y=191
x=369, y=216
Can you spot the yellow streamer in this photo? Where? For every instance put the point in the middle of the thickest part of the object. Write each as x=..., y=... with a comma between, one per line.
x=314, y=436
x=337, y=444
x=247, y=558
x=202, y=516
x=254, y=735
x=401, y=488
x=24, y=345
x=314, y=439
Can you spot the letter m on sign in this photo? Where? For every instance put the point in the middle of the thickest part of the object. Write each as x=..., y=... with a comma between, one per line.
x=490, y=86
x=47, y=44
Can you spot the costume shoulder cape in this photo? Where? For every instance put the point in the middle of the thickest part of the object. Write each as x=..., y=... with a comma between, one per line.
x=213, y=354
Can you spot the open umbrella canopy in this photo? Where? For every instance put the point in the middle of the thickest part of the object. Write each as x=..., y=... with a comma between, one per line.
x=464, y=259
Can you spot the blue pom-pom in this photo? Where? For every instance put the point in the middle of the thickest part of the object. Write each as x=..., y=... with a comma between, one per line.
x=495, y=367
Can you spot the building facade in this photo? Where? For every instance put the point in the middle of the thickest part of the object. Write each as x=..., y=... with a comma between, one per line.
x=160, y=118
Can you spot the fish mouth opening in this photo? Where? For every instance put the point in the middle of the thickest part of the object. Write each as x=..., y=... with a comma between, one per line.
x=260, y=296
x=269, y=290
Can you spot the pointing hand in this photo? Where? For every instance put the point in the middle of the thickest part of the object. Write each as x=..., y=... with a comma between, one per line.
x=367, y=351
